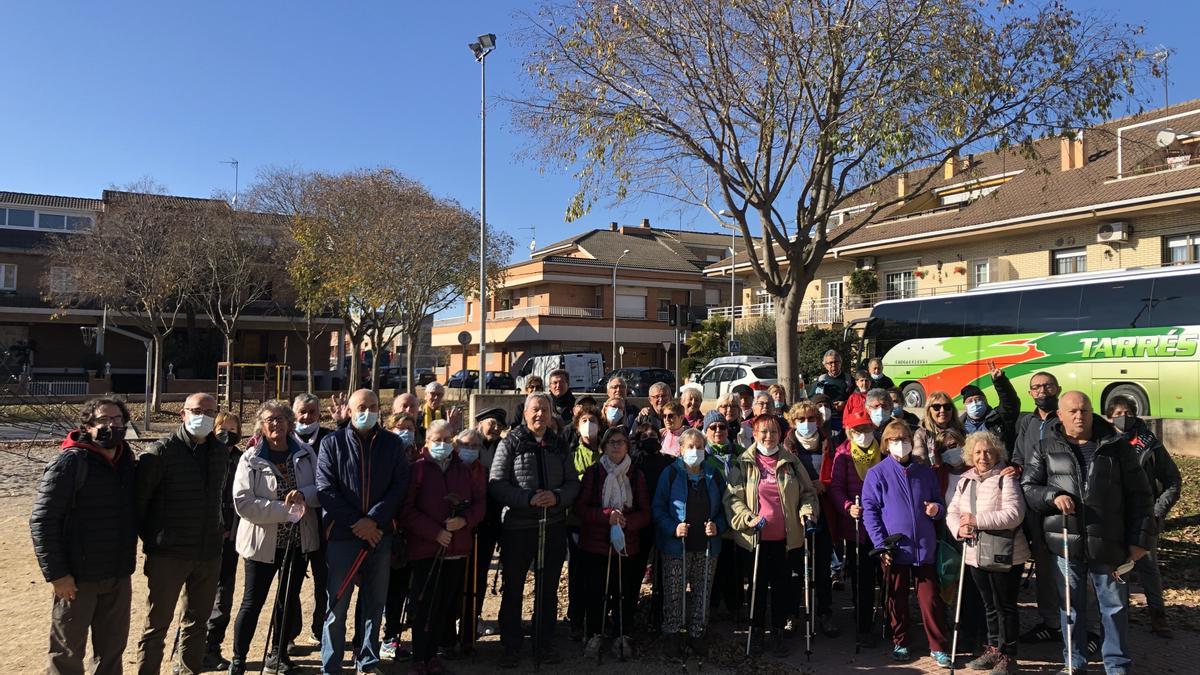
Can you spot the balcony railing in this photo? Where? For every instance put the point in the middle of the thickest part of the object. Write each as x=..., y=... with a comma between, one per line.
x=525, y=312
x=827, y=310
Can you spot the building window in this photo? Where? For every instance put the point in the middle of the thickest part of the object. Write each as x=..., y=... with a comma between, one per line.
x=1183, y=250
x=20, y=218
x=981, y=273
x=899, y=285
x=8, y=277
x=63, y=280
x=712, y=297
x=1069, y=261
x=30, y=219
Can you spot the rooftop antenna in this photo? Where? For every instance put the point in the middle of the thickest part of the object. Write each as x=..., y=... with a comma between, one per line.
x=532, y=238
x=234, y=163
x=1160, y=58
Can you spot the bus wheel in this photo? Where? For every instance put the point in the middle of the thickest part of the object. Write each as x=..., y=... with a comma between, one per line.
x=1141, y=402
x=914, y=395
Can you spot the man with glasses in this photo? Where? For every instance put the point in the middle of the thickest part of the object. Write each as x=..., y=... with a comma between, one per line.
x=660, y=395
x=85, y=538
x=433, y=409
x=180, y=480
x=835, y=384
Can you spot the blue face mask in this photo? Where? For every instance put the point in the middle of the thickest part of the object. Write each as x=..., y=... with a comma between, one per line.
x=897, y=411
x=468, y=455
x=806, y=429
x=693, y=456
x=976, y=409
x=406, y=436
x=306, y=429
x=617, y=536
x=440, y=450
x=877, y=416
x=365, y=421
x=612, y=415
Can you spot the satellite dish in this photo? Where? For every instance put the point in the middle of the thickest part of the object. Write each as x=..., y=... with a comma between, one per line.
x=1165, y=137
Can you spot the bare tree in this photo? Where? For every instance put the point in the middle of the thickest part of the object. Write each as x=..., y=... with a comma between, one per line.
x=783, y=113
x=139, y=260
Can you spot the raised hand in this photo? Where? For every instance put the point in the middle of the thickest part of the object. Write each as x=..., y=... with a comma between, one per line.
x=339, y=407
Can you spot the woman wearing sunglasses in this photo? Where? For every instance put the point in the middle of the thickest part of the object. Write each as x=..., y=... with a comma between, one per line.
x=674, y=424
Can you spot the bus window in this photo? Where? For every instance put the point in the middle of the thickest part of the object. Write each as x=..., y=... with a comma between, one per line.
x=993, y=314
x=1049, y=310
x=942, y=318
x=894, y=323
x=1176, y=302
x=1118, y=304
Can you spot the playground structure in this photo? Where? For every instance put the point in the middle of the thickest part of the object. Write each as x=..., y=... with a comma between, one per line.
x=270, y=380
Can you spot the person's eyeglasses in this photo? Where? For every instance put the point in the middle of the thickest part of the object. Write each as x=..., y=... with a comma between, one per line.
x=114, y=421
x=938, y=407
x=274, y=419
x=717, y=427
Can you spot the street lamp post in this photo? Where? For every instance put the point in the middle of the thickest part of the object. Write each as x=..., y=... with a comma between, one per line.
x=733, y=230
x=614, y=316
x=485, y=46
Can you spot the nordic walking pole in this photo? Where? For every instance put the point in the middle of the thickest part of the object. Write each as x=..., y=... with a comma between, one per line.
x=538, y=582
x=276, y=613
x=808, y=615
x=753, y=591
x=858, y=576
x=683, y=627
x=1067, y=597
x=962, y=572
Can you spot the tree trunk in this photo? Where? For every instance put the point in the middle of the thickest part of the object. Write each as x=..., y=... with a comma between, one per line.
x=786, y=338
x=376, y=351
x=156, y=381
x=229, y=359
x=309, y=380
x=352, y=378
x=410, y=375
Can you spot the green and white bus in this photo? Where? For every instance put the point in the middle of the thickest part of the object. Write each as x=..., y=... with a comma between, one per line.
x=1130, y=332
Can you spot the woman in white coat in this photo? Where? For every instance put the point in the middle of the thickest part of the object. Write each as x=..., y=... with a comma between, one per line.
x=274, y=489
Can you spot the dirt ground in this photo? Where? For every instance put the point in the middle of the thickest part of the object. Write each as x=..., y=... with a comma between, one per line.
x=24, y=613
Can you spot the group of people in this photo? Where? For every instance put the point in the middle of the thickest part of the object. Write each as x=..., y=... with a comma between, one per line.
x=754, y=508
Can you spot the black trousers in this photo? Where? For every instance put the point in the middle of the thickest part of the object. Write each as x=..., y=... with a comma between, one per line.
x=775, y=566
x=998, y=593
x=863, y=578
x=729, y=581
x=575, y=581
x=259, y=578
x=622, y=601
x=821, y=578
x=437, y=586
x=399, y=583
x=489, y=538
x=518, y=554
x=218, y=621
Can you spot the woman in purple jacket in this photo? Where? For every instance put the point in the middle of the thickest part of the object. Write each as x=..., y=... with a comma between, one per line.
x=902, y=497
x=445, y=503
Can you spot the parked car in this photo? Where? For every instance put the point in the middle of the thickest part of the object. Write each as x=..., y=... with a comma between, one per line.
x=726, y=372
x=638, y=379
x=424, y=376
x=469, y=379
x=583, y=368
x=392, y=377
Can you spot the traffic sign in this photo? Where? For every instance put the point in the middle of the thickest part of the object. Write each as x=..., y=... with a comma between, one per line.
x=464, y=338
x=735, y=347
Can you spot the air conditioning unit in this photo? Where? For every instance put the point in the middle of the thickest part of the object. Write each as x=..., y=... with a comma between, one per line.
x=866, y=262
x=1113, y=232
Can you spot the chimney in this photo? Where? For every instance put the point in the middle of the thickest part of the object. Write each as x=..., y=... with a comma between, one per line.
x=948, y=167
x=901, y=185
x=646, y=223
x=612, y=226
x=1073, y=152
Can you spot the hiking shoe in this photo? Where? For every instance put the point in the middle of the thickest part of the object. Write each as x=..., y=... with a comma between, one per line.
x=1042, y=633
x=237, y=666
x=828, y=628
x=388, y=649
x=942, y=658
x=987, y=659
x=1159, y=625
x=509, y=659
x=214, y=661
x=281, y=664
x=1005, y=665
x=900, y=654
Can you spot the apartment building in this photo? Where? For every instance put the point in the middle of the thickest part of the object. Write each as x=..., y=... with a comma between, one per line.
x=591, y=291
x=58, y=347
x=1123, y=194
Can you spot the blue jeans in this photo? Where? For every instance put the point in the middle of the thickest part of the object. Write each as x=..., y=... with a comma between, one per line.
x=372, y=595
x=1113, y=599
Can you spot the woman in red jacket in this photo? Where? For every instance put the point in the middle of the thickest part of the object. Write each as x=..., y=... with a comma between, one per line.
x=445, y=502
x=613, y=508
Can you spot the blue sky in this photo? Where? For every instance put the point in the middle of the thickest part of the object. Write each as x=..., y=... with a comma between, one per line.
x=98, y=94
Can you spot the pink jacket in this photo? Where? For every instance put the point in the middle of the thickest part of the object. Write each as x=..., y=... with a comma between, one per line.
x=999, y=505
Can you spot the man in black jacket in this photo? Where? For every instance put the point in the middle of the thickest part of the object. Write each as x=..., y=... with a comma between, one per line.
x=180, y=480
x=1085, y=483
x=84, y=531
x=532, y=477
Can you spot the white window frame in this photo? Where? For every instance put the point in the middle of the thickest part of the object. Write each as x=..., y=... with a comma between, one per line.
x=37, y=219
x=1190, y=243
x=62, y=280
x=976, y=265
x=4, y=272
x=908, y=282
x=1076, y=252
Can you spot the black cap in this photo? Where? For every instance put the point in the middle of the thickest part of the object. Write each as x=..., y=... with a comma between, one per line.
x=741, y=389
x=969, y=391
x=497, y=414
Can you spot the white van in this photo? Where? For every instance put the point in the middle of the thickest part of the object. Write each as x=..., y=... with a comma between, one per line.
x=584, y=367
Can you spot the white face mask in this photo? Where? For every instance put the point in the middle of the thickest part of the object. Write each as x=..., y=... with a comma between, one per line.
x=826, y=413
x=693, y=456
x=900, y=449
x=863, y=441
x=763, y=450
x=199, y=426
x=589, y=429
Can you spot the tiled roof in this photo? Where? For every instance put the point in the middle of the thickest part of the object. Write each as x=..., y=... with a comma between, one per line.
x=122, y=197
x=649, y=248
x=50, y=201
x=1042, y=187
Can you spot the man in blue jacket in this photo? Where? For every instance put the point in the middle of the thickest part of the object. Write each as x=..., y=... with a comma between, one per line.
x=362, y=476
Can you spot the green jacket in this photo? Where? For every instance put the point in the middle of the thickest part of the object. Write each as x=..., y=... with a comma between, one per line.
x=583, y=457
x=795, y=490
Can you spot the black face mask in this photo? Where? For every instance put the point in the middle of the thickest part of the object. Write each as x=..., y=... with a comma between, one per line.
x=1124, y=423
x=648, y=445
x=109, y=437
x=229, y=438
x=1047, y=403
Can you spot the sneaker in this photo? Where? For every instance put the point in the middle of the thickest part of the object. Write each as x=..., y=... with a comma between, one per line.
x=900, y=654
x=1094, y=643
x=989, y=658
x=388, y=649
x=281, y=664
x=1042, y=633
x=828, y=628
x=509, y=659
x=942, y=658
x=1005, y=665
x=214, y=661
x=237, y=666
